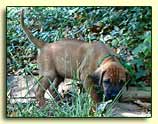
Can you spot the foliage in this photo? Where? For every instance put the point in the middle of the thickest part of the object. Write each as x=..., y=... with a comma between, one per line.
x=126, y=28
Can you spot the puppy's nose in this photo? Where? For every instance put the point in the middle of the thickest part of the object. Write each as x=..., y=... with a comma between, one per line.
x=109, y=96
x=113, y=96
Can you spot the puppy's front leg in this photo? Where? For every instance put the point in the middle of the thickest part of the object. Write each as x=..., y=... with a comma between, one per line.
x=56, y=83
x=89, y=86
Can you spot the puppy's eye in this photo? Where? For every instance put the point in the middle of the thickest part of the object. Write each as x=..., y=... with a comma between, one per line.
x=121, y=82
x=107, y=81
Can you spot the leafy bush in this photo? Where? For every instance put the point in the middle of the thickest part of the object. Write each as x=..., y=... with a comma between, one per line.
x=126, y=29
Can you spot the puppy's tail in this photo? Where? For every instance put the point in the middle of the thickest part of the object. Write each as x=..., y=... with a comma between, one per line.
x=36, y=41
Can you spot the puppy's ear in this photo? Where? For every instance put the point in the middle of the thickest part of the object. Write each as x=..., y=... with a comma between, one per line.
x=101, y=78
x=97, y=76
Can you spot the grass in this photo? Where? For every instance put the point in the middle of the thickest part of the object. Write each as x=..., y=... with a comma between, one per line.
x=79, y=105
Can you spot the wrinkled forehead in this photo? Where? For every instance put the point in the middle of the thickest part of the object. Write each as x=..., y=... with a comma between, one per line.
x=115, y=75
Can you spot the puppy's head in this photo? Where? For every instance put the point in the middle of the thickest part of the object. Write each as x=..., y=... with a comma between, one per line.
x=110, y=77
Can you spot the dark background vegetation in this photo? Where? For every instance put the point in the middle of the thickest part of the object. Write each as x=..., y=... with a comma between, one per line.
x=126, y=29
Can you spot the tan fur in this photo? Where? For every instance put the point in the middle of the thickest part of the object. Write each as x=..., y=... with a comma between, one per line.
x=114, y=70
x=64, y=58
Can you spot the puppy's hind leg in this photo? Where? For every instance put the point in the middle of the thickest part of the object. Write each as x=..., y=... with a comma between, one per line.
x=44, y=84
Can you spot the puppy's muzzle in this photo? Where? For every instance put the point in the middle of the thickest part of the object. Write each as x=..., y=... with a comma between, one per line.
x=111, y=90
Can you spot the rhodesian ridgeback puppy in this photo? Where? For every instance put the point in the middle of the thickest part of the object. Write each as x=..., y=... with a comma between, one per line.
x=94, y=64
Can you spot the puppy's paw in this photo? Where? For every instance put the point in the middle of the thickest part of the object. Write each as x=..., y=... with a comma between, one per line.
x=41, y=103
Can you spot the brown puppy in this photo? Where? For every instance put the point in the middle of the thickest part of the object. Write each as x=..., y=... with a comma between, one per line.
x=93, y=63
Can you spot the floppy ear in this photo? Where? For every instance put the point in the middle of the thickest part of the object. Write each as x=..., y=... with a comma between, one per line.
x=97, y=76
x=101, y=78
